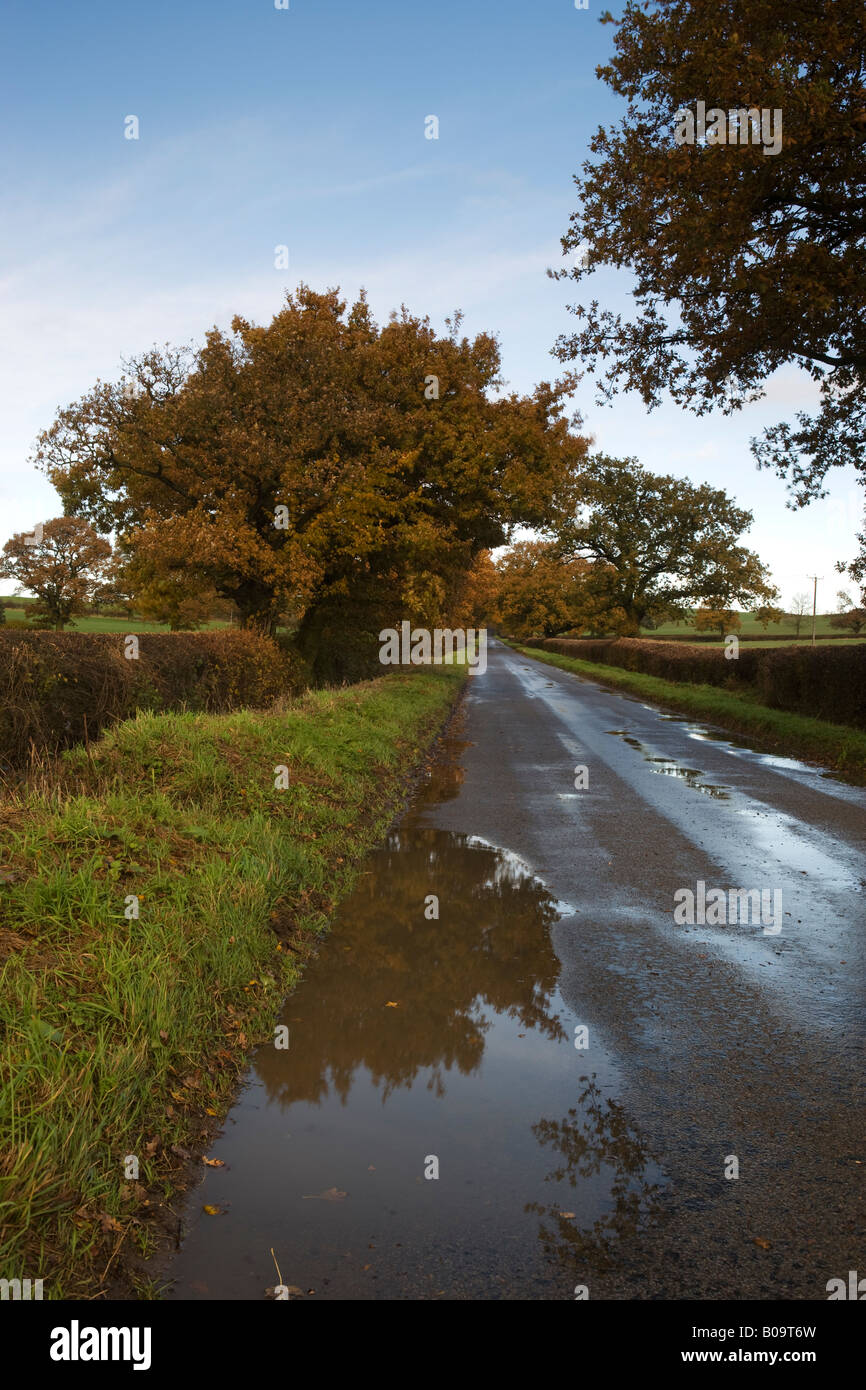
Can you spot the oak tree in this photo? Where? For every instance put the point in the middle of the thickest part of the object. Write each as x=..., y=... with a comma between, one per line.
x=319, y=465
x=663, y=543
x=721, y=620
x=62, y=562
x=743, y=259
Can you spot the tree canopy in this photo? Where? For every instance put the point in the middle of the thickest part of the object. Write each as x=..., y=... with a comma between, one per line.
x=319, y=464
x=541, y=593
x=743, y=260
x=662, y=543
x=63, y=562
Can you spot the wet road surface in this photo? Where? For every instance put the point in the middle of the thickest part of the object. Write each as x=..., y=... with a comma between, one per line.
x=507, y=1001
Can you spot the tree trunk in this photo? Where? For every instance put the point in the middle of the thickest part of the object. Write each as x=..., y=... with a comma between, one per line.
x=257, y=607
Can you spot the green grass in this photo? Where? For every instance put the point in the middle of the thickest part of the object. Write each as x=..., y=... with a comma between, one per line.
x=774, y=635
x=119, y=1037
x=836, y=745
x=19, y=613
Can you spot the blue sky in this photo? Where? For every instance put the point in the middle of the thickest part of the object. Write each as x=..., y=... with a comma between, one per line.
x=305, y=127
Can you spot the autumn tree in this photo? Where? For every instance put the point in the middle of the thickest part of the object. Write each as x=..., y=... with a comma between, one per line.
x=318, y=464
x=175, y=595
x=537, y=589
x=476, y=601
x=168, y=600
x=767, y=613
x=62, y=562
x=542, y=593
x=848, y=617
x=744, y=260
x=662, y=543
x=721, y=620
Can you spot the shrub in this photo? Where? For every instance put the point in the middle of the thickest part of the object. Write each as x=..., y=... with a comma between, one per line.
x=57, y=688
x=826, y=682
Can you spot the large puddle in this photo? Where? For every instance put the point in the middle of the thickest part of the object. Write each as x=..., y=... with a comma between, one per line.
x=422, y=1044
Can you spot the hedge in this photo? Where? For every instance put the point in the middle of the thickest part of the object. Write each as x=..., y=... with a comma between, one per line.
x=60, y=688
x=825, y=682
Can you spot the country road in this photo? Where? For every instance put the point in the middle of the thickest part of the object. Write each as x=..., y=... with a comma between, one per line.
x=706, y=1143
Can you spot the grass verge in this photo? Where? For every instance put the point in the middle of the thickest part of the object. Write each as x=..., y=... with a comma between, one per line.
x=836, y=745
x=123, y=1037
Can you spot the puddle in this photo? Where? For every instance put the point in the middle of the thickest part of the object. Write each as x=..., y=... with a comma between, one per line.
x=793, y=764
x=412, y=1040
x=670, y=767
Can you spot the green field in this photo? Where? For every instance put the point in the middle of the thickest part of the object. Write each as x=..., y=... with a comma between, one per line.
x=18, y=610
x=775, y=635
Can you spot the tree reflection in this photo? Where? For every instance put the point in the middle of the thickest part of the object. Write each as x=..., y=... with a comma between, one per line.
x=488, y=951
x=595, y=1135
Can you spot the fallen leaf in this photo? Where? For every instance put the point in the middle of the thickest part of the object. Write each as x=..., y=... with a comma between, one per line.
x=764, y=1244
x=109, y=1223
x=330, y=1194
x=209, y=1111
x=180, y=1151
x=569, y=1215
x=134, y=1192
x=391, y=1005
x=213, y=1162
x=213, y=1211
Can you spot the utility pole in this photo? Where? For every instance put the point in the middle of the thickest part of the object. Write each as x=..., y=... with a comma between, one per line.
x=814, y=577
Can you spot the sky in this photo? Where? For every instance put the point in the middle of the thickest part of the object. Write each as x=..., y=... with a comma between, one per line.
x=305, y=127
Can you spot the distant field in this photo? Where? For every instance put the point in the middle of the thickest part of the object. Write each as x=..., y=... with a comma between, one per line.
x=20, y=612
x=775, y=635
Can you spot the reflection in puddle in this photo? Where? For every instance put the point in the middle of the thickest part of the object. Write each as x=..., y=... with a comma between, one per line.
x=669, y=767
x=794, y=764
x=416, y=1036
x=596, y=1132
